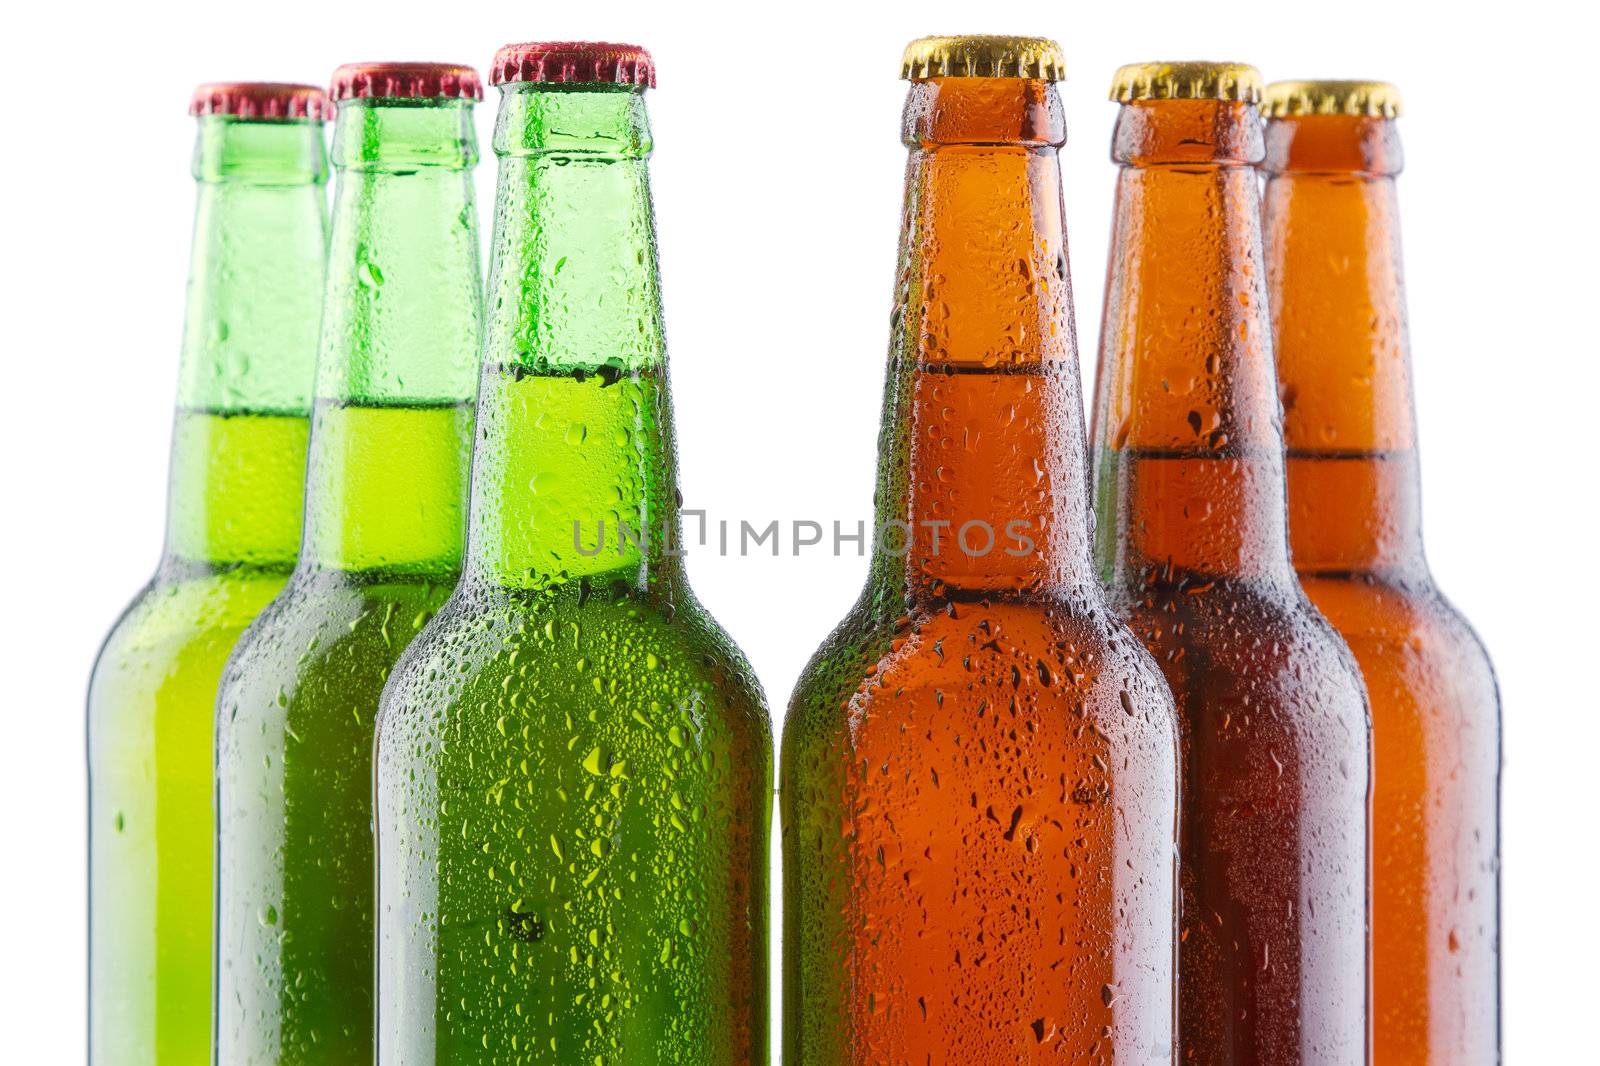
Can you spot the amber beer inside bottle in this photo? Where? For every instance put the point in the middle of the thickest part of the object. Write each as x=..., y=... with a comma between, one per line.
x=1192, y=541
x=979, y=764
x=1334, y=270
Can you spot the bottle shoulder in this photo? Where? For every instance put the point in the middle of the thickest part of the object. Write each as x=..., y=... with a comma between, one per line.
x=1370, y=607
x=486, y=650
x=315, y=602
x=173, y=618
x=160, y=665
x=327, y=636
x=1242, y=641
x=1074, y=658
x=1409, y=640
x=475, y=615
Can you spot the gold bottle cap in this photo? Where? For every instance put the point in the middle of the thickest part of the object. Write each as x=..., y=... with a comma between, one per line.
x=1375, y=99
x=977, y=55
x=1187, y=81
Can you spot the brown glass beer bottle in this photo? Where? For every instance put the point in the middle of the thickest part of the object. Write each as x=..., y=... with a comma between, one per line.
x=1333, y=268
x=1191, y=540
x=979, y=764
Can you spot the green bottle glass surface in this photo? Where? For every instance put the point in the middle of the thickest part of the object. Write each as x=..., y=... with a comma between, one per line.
x=573, y=762
x=233, y=528
x=391, y=437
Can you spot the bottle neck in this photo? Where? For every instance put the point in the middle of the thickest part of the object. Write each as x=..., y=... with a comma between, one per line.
x=574, y=475
x=249, y=343
x=981, y=481
x=1334, y=271
x=401, y=321
x=1188, y=447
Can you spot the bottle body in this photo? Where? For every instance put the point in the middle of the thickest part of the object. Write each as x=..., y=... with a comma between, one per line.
x=1332, y=238
x=979, y=844
x=1435, y=834
x=573, y=800
x=385, y=514
x=573, y=760
x=151, y=707
x=235, y=491
x=1191, y=542
x=979, y=766
x=1273, y=839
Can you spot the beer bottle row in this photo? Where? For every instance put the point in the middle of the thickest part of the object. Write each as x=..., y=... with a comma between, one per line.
x=1149, y=744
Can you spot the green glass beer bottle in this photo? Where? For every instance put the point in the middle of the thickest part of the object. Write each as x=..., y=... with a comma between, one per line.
x=573, y=760
x=233, y=527
x=391, y=437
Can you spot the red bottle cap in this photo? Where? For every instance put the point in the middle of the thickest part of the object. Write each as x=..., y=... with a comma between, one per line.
x=260, y=99
x=405, y=81
x=573, y=62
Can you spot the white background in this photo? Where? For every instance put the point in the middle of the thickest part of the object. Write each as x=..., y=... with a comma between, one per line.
x=777, y=178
